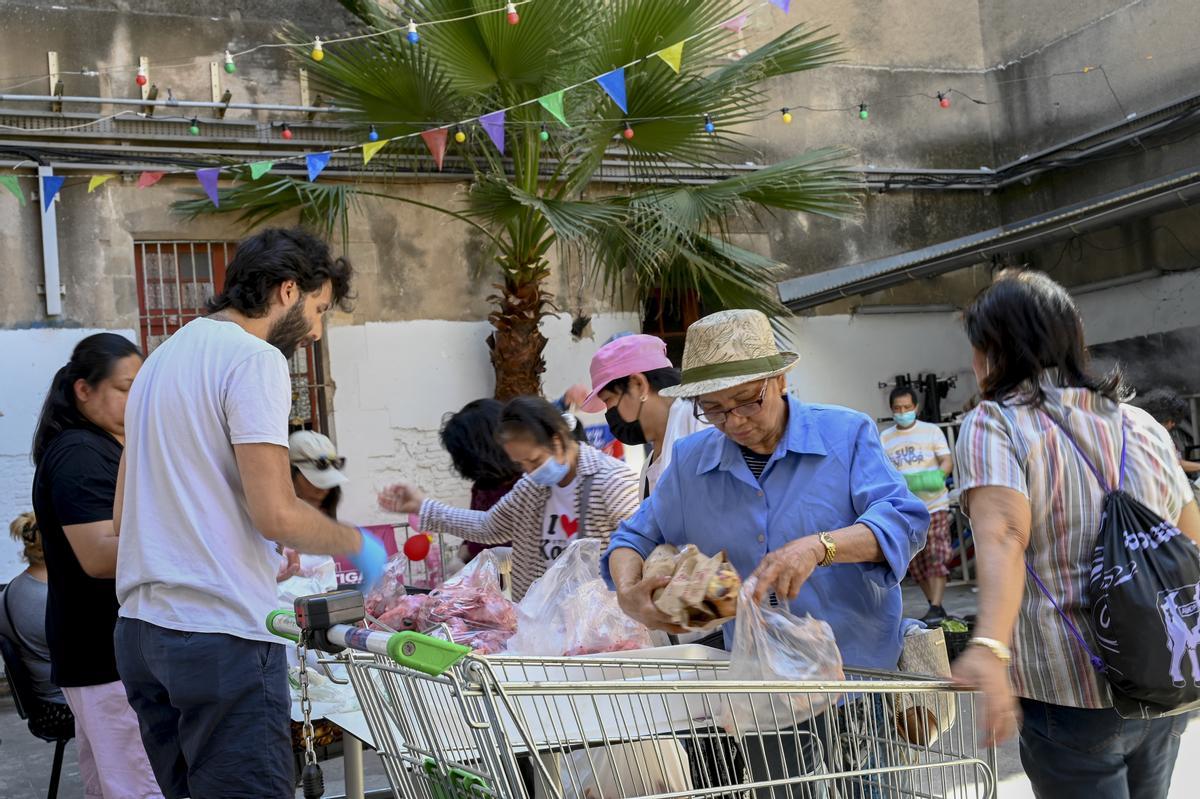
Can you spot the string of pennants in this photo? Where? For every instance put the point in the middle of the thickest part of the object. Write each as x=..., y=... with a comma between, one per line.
x=435, y=139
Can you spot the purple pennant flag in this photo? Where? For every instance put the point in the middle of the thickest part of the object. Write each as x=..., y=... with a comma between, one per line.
x=316, y=164
x=614, y=83
x=208, y=179
x=786, y=5
x=493, y=125
x=50, y=186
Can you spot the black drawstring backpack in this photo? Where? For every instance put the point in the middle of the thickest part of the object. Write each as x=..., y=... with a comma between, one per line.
x=1144, y=596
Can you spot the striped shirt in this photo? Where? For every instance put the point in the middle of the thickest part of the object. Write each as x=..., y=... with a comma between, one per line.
x=518, y=516
x=1020, y=447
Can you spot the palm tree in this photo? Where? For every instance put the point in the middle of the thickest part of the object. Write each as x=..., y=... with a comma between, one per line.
x=661, y=234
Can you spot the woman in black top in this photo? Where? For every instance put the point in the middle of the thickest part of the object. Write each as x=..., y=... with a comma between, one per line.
x=77, y=451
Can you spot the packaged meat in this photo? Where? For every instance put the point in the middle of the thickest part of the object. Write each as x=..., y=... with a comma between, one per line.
x=703, y=592
x=472, y=606
x=570, y=611
x=772, y=644
x=403, y=615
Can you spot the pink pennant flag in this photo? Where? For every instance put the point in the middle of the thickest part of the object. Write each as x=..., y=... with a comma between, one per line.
x=148, y=179
x=208, y=179
x=435, y=140
x=737, y=23
x=493, y=125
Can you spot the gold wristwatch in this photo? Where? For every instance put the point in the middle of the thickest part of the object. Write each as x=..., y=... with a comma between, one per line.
x=830, y=549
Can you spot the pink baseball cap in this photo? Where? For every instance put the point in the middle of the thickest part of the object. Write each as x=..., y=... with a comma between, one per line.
x=621, y=358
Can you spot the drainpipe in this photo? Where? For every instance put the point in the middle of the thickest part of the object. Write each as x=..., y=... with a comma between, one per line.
x=50, y=247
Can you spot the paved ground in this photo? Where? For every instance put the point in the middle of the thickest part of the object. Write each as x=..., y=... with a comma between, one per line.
x=25, y=761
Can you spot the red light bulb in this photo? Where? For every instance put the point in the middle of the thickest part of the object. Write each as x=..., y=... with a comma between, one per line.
x=628, y=132
x=286, y=132
x=513, y=17
x=943, y=100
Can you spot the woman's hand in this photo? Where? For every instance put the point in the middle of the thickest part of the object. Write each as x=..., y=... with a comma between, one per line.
x=979, y=669
x=401, y=498
x=788, y=568
x=637, y=600
x=290, y=566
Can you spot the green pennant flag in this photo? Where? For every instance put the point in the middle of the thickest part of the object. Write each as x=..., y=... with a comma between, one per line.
x=260, y=168
x=11, y=183
x=554, y=104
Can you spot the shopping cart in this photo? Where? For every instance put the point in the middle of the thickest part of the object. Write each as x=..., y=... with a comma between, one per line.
x=448, y=724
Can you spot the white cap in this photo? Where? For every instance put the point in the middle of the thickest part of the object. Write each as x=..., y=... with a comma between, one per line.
x=305, y=449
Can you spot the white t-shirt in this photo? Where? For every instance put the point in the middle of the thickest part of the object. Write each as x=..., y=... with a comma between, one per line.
x=190, y=558
x=917, y=449
x=680, y=422
x=560, y=520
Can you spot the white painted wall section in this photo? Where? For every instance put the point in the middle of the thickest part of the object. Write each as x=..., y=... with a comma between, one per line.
x=1157, y=305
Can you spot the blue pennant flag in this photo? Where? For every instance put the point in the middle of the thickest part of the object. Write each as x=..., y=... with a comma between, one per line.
x=786, y=5
x=50, y=186
x=614, y=83
x=316, y=163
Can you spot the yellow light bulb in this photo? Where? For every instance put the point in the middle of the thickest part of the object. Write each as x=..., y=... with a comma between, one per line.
x=318, y=52
x=787, y=117
x=460, y=137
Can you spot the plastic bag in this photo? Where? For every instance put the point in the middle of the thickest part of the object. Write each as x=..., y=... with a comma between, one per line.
x=570, y=611
x=473, y=607
x=387, y=592
x=771, y=644
x=317, y=575
x=634, y=769
x=703, y=591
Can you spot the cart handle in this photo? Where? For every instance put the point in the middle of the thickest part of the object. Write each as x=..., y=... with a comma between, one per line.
x=409, y=649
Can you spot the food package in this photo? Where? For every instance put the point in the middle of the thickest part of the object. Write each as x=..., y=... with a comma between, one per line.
x=570, y=611
x=922, y=717
x=472, y=607
x=389, y=589
x=703, y=592
x=403, y=615
x=771, y=644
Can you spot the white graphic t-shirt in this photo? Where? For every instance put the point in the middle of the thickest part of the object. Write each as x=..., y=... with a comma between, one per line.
x=560, y=520
x=917, y=449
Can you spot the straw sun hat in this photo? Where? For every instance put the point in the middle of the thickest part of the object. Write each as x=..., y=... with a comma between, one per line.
x=727, y=349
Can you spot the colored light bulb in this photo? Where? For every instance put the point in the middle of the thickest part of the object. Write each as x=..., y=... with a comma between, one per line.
x=787, y=116
x=373, y=134
x=230, y=67
x=943, y=100
x=194, y=128
x=141, y=79
x=543, y=134
x=628, y=132
x=510, y=9
x=862, y=111
x=459, y=136
x=413, y=37
x=318, y=52
x=709, y=127
x=286, y=132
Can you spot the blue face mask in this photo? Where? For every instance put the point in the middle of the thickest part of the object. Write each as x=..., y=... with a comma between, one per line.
x=905, y=419
x=550, y=473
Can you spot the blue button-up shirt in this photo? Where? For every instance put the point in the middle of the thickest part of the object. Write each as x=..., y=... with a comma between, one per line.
x=827, y=472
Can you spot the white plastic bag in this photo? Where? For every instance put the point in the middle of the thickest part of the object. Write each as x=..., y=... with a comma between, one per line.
x=570, y=611
x=619, y=771
x=773, y=645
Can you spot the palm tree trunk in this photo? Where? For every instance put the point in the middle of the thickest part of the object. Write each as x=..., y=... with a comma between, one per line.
x=516, y=344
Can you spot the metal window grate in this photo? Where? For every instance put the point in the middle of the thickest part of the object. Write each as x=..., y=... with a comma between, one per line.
x=174, y=281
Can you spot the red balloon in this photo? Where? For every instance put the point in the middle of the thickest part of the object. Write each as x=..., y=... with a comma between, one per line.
x=417, y=547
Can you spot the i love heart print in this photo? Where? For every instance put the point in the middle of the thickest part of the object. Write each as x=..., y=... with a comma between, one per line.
x=560, y=520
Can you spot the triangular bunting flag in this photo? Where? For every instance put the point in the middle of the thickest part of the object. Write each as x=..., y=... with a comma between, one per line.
x=786, y=5
x=673, y=56
x=614, y=83
x=148, y=179
x=372, y=147
x=50, y=186
x=260, y=168
x=316, y=164
x=736, y=23
x=493, y=126
x=97, y=181
x=554, y=104
x=208, y=179
x=11, y=183
x=435, y=140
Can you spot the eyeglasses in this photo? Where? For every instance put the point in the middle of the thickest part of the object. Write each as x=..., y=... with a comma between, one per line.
x=322, y=463
x=745, y=410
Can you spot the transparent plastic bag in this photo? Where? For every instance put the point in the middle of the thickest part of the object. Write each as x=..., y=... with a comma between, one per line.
x=473, y=607
x=390, y=588
x=570, y=611
x=773, y=645
x=633, y=769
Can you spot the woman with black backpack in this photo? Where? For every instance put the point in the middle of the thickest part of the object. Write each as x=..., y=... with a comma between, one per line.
x=1080, y=518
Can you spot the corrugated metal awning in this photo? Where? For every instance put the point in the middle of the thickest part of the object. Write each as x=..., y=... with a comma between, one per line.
x=1143, y=199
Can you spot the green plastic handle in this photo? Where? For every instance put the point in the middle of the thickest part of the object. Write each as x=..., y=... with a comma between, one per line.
x=425, y=654
x=271, y=628
x=462, y=784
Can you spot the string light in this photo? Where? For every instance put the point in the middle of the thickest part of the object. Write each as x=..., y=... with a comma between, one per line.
x=229, y=65
x=787, y=116
x=318, y=52
x=709, y=127
x=459, y=136
x=862, y=111
x=373, y=134
x=285, y=131
x=943, y=99
x=510, y=9
x=413, y=37
x=628, y=132
x=141, y=79
x=194, y=128
x=543, y=134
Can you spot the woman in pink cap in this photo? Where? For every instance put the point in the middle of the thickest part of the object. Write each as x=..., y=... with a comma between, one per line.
x=627, y=374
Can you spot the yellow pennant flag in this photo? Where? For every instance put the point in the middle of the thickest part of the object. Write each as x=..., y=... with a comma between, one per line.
x=370, y=148
x=97, y=181
x=673, y=56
